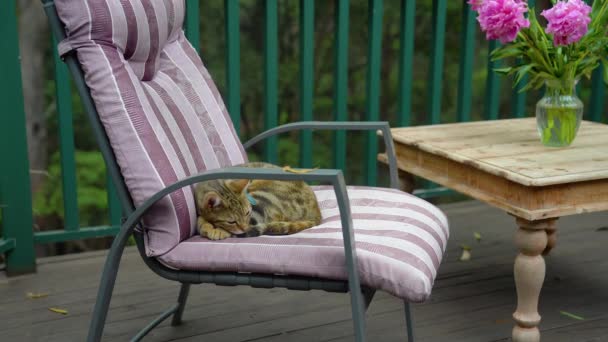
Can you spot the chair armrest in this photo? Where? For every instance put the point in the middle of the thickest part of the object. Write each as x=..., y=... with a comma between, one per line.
x=335, y=177
x=382, y=126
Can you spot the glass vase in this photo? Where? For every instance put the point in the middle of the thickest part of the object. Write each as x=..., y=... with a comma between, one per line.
x=559, y=113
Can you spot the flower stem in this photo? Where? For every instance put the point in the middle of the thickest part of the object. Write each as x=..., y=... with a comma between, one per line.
x=561, y=126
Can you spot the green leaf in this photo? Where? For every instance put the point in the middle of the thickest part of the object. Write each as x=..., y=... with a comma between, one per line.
x=533, y=83
x=522, y=72
x=547, y=76
x=466, y=255
x=533, y=23
x=504, y=53
x=503, y=71
x=511, y=50
x=567, y=314
x=594, y=8
x=477, y=236
x=33, y=295
x=59, y=311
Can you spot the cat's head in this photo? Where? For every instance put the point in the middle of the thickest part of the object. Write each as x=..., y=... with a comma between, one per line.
x=227, y=207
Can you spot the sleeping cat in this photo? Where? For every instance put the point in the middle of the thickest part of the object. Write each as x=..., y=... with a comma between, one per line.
x=242, y=207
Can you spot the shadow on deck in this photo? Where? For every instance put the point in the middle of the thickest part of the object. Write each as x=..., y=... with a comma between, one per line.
x=472, y=301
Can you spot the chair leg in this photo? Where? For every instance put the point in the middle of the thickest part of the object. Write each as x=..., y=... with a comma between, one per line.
x=408, y=322
x=106, y=287
x=100, y=311
x=181, y=301
x=358, y=311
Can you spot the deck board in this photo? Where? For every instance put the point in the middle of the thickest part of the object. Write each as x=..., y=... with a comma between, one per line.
x=472, y=301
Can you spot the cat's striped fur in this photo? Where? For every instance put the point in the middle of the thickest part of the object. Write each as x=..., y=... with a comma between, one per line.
x=281, y=207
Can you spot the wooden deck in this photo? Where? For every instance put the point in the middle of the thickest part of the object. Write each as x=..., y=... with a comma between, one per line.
x=472, y=301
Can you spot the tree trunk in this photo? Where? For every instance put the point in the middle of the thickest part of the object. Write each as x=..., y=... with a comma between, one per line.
x=33, y=37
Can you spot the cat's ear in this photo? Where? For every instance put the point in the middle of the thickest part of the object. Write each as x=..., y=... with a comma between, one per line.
x=211, y=200
x=239, y=185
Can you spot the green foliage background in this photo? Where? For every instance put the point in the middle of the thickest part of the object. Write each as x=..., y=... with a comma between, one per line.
x=92, y=197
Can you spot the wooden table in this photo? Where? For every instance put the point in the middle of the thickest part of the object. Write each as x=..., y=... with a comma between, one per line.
x=504, y=164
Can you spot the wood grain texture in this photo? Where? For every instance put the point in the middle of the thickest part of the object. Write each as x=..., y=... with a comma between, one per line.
x=511, y=149
x=503, y=163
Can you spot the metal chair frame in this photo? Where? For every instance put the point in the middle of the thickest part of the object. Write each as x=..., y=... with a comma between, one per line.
x=361, y=296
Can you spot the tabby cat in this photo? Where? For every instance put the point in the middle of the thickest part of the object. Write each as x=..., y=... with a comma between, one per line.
x=242, y=207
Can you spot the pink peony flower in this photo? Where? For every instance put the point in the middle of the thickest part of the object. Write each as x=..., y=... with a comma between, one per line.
x=568, y=21
x=501, y=19
x=475, y=4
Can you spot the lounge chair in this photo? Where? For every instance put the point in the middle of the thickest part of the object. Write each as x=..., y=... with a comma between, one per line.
x=162, y=126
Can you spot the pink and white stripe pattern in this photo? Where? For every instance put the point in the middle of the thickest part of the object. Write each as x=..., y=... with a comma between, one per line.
x=400, y=240
x=163, y=115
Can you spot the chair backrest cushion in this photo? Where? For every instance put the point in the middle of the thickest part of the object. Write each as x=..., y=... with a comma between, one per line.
x=161, y=111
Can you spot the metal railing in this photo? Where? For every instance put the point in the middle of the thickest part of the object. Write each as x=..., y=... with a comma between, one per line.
x=18, y=238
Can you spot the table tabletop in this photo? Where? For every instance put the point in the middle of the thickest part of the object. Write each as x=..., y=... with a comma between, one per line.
x=512, y=149
x=503, y=163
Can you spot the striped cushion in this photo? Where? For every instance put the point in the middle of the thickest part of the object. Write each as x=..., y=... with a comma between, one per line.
x=400, y=242
x=161, y=111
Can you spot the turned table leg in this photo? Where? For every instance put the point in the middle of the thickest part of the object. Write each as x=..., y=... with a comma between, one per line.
x=551, y=236
x=533, y=238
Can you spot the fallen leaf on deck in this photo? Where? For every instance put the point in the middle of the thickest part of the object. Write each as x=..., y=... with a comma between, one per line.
x=477, y=236
x=565, y=313
x=503, y=321
x=32, y=295
x=289, y=169
x=59, y=311
x=466, y=253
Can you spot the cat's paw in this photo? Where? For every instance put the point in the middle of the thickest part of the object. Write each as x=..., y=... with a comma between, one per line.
x=203, y=226
x=217, y=234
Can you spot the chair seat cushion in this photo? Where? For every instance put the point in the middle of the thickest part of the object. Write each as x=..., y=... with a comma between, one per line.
x=400, y=240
